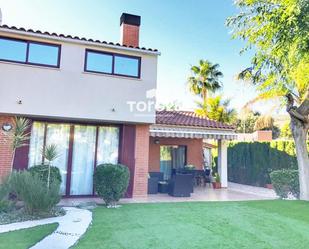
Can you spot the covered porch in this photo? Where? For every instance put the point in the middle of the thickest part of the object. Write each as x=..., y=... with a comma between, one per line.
x=177, y=141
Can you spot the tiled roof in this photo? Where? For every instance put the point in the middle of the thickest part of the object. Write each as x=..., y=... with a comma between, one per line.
x=187, y=118
x=72, y=37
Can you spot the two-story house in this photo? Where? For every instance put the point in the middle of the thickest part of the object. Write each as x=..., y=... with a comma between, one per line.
x=78, y=93
x=95, y=101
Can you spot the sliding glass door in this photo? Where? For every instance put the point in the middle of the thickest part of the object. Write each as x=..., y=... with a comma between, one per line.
x=83, y=160
x=108, y=143
x=80, y=149
x=172, y=157
x=59, y=135
x=43, y=135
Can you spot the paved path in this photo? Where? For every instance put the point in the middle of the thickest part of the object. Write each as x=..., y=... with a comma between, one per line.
x=71, y=227
x=258, y=191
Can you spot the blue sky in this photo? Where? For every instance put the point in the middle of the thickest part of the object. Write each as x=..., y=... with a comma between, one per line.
x=183, y=31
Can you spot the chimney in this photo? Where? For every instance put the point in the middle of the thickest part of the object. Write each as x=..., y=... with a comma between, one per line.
x=129, y=29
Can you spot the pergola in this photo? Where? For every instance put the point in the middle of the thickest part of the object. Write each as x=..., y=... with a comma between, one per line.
x=188, y=125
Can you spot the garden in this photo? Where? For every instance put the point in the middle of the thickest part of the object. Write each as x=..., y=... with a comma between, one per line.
x=255, y=224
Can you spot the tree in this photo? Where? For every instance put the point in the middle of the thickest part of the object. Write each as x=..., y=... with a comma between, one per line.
x=264, y=122
x=285, y=131
x=246, y=121
x=205, y=78
x=278, y=30
x=215, y=108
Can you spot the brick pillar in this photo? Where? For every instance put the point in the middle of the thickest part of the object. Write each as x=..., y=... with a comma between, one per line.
x=141, y=161
x=6, y=151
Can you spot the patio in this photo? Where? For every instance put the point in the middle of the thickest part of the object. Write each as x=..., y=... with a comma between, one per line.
x=234, y=192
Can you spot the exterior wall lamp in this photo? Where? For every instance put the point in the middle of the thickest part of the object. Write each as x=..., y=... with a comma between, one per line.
x=7, y=127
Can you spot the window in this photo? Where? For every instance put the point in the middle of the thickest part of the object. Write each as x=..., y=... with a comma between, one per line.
x=29, y=52
x=88, y=146
x=97, y=62
x=116, y=64
x=13, y=50
x=126, y=66
x=43, y=54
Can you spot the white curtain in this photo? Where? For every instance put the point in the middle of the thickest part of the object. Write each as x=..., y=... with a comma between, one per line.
x=36, y=144
x=108, y=143
x=59, y=135
x=83, y=160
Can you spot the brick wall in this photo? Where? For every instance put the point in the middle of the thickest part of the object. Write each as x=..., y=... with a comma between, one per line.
x=264, y=136
x=141, y=161
x=194, y=151
x=130, y=35
x=5, y=148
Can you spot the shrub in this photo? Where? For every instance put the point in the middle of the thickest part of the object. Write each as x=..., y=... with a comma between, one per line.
x=285, y=182
x=5, y=204
x=111, y=182
x=32, y=190
x=42, y=172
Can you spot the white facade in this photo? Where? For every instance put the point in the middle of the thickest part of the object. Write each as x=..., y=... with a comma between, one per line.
x=70, y=93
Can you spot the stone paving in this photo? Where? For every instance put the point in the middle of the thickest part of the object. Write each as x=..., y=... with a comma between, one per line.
x=71, y=227
x=234, y=192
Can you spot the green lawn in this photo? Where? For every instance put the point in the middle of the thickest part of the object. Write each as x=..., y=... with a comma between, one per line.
x=25, y=238
x=255, y=224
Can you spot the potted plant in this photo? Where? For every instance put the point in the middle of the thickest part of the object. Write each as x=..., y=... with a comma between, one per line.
x=216, y=181
x=189, y=167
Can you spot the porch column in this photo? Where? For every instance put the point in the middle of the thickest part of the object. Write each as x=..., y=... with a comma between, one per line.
x=222, y=162
x=141, y=161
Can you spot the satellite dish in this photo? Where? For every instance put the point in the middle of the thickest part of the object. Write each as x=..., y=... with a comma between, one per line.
x=0, y=17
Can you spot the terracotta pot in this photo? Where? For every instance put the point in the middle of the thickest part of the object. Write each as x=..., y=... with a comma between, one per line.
x=269, y=186
x=216, y=185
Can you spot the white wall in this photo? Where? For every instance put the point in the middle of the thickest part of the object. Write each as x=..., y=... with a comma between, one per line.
x=71, y=93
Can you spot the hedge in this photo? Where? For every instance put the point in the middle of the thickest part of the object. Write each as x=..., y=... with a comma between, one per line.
x=285, y=182
x=251, y=162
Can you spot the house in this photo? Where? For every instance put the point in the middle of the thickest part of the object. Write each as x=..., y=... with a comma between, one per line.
x=95, y=101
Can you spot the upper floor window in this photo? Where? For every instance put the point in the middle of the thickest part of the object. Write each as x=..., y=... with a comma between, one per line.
x=109, y=63
x=29, y=52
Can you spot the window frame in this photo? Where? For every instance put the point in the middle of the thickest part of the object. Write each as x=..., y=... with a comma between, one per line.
x=139, y=59
x=28, y=42
x=72, y=124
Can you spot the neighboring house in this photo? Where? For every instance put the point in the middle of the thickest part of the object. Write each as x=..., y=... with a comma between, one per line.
x=80, y=93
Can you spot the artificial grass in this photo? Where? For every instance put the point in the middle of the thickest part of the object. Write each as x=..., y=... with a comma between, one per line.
x=254, y=224
x=25, y=238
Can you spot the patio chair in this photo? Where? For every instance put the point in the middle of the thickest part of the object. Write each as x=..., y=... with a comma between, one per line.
x=181, y=185
x=153, y=182
x=153, y=185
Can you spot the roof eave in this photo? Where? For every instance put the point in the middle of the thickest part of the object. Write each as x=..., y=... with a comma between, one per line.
x=80, y=41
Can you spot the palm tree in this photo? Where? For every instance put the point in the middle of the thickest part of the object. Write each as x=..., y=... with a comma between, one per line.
x=205, y=78
x=215, y=108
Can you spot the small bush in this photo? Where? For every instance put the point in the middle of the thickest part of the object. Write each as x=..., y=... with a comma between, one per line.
x=5, y=204
x=285, y=182
x=32, y=190
x=111, y=182
x=42, y=172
